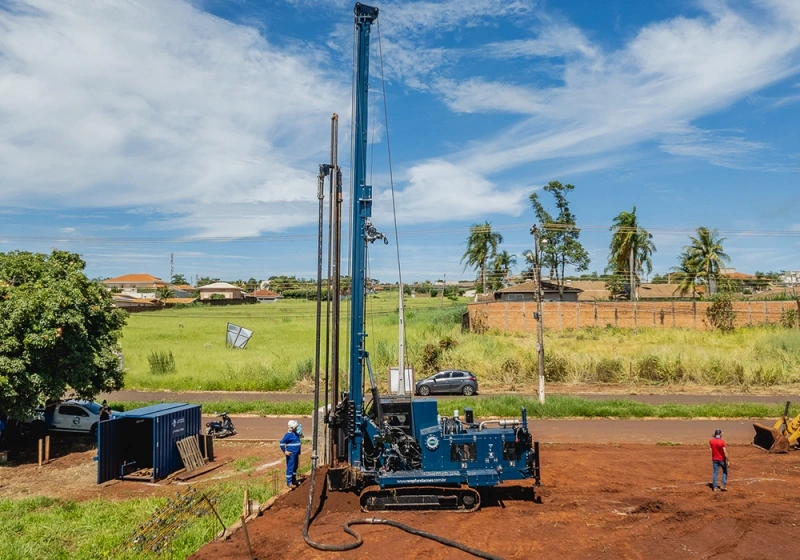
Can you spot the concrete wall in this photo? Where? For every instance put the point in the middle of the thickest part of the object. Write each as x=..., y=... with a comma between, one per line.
x=518, y=316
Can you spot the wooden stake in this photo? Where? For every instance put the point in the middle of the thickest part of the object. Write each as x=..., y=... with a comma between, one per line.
x=245, y=505
x=40, y=452
x=46, y=449
x=247, y=539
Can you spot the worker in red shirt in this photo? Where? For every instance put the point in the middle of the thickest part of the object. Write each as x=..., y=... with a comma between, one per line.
x=719, y=458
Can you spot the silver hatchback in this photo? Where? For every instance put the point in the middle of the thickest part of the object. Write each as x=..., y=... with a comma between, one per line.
x=448, y=381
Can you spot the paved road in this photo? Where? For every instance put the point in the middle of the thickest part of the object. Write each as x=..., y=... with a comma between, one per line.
x=562, y=431
x=216, y=396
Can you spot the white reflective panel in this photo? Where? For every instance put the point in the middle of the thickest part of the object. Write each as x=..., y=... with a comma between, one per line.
x=237, y=336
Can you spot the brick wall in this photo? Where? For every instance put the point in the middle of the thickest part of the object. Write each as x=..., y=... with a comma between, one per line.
x=518, y=316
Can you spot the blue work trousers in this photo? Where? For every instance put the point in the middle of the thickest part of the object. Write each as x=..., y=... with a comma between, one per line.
x=717, y=466
x=292, y=461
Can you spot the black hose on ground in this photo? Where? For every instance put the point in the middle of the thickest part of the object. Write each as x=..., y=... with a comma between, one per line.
x=377, y=521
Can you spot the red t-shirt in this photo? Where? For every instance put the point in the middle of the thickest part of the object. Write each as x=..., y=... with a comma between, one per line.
x=717, y=445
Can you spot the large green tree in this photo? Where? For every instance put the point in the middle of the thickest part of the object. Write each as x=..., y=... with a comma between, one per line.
x=704, y=256
x=559, y=240
x=59, y=331
x=481, y=248
x=630, y=250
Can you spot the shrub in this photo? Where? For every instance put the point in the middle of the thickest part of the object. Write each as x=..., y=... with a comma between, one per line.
x=161, y=362
x=650, y=368
x=430, y=359
x=448, y=342
x=555, y=368
x=789, y=318
x=510, y=371
x=304, y=368
x=609, y=370
x=720, y=313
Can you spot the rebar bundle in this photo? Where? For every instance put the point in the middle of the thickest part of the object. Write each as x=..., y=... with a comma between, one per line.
x=157, y=534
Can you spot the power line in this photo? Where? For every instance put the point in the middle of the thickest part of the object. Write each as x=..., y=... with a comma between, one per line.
x=278, y=238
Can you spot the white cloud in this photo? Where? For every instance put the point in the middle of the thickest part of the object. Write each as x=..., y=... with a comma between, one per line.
x=671, y=73
x=152, y=103
x=67, y=230
x=439, y=191
x=725, y=151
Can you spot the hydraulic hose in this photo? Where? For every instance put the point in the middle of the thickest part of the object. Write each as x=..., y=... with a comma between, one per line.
x=377, y=521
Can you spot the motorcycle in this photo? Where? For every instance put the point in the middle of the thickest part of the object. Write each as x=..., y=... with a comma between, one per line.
x=220, y=428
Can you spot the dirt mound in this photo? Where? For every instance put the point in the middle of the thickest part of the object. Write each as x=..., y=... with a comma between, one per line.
x=655, y=506
x=324, y=500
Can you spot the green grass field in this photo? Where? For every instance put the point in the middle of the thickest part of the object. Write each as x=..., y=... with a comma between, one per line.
x=280, y=355
x=50, y=529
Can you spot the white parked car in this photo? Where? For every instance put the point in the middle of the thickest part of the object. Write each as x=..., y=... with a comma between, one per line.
x=70, y=416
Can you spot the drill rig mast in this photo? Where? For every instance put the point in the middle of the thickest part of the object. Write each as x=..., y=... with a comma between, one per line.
x=397, y=449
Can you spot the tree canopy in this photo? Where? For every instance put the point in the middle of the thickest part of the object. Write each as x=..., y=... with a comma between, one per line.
x=560, y=245
x=481, y=247
x=630, y=244
x=59, y=331
x=704, y=257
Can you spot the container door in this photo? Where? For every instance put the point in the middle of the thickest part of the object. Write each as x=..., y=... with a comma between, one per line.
x=109, y=458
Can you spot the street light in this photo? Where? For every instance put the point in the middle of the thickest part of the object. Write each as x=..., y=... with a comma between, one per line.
x=540, y=295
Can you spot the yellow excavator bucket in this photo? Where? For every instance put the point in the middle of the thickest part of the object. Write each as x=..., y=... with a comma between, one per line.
x=778, y=438
x=770, y=439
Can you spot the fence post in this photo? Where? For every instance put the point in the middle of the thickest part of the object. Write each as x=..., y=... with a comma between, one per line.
x=750, y=311
x=505, y=309
x=616, y=315
x=654, y=314
x=694, y=312
x=578, y=314
x=560, y=318
x=635, y=316
x=766, y=313
x=673, y=314
x=595, y=311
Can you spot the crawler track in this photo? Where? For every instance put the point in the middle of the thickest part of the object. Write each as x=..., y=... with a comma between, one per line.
x=417, y=498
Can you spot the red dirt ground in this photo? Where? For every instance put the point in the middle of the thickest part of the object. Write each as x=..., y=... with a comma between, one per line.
x=72, y=471
x=598, y=501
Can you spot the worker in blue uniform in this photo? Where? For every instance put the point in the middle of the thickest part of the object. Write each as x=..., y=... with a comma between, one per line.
x=290, y=445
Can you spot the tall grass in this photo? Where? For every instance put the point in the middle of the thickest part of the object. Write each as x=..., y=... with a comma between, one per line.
x=280, y=355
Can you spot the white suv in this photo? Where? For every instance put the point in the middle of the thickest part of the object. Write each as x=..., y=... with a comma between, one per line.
x=70, y=416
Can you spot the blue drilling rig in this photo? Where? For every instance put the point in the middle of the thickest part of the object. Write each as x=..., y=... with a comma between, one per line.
x=397, y=451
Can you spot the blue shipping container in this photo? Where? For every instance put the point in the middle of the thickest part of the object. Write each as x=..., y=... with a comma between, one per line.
x=145, y=438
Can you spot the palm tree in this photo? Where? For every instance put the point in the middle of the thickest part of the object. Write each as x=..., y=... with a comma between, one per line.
x=502, y=264
x=686, y=274
x=481, y=246
x=530, y=261
x=631, y=248
x=163, y=293
x=705, y=255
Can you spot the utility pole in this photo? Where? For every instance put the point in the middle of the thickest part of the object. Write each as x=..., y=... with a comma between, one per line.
x=632, y=277
x=539, y=295
x=444, y=286
x=171, y=267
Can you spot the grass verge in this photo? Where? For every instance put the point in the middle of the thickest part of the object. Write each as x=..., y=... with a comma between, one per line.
x=556, y=406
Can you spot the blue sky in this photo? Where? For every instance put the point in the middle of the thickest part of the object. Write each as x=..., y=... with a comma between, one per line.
x=132, y=130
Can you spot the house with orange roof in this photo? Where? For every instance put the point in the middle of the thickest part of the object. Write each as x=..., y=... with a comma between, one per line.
x=266, y=296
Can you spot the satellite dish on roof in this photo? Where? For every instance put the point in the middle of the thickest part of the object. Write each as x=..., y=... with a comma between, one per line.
x=237, y=336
